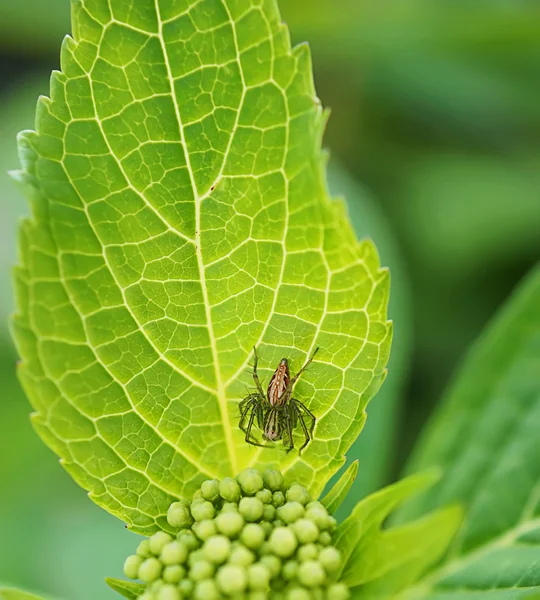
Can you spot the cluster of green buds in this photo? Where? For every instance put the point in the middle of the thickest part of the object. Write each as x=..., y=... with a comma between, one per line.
x=248, y=538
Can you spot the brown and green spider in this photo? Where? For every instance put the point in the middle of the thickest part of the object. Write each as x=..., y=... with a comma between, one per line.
x=276, y=413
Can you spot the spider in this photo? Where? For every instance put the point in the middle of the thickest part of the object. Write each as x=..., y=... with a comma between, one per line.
x=276, y=413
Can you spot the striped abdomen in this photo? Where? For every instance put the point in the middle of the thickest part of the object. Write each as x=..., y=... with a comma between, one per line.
x=278, y=384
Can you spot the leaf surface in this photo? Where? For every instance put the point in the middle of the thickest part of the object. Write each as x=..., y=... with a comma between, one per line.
x=340, y=489
x=127, y=589
x=180, y=217
x=13, y=594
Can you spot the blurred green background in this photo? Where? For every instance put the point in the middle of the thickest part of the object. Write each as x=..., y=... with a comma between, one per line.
x=435, y=111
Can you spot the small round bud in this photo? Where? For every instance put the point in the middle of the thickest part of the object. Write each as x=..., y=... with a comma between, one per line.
x=278, y=499
x=178, y=515
x=252, y=535
x=229, y=507
x=250, y=481
x=332, y=523
x=258, y=595
x=269, y=512
x=158, y=541
x=267, y=527
x=290, y=569
x=311, y=574
x=265, y=496
x=278, y=523
x=283, y=541
x=186, y=587
x=229, y=489
x=273, y=480
x=319, y=516
x=315, y=504
x=241, y=556
x=146, y=596
x=325, y=538
x=150, y=570
x=338, y=591
x=195, y=557
x=206, y=590
x=205, y=529
x=189, y=539
x=330, y=559
x=131, y=566
x=307, y=552
x=306, y=531
x=231, y=579
x=298, y=593
x=217, y=549
x=251, y=509
x=210, y=490
x=202, y=569
x=230, y=523
x=143, y=549
x=272, y=563
x=202, y=510
x=298, y=493
x=258, y=577
x=168, y=592
x=174, y=553
x=290, y=512
x=173, y=574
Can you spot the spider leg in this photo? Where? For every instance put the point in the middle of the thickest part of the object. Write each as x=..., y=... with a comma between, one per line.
x=289, y=422
x=255, y=374
x=303, y=412
x=248, y=438
x=307, y=433
x=296, y=377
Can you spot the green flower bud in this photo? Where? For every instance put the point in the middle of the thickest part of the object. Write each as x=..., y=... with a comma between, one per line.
x=298, y=593
x=258, y=595
x=316, y=504
x=202, y=569
x=290, y=569
x=217, y=549
x=332, y=523
x=231, y=579
x=150, y=570
x=290, y=512
x=306, y=531
x=174, y=553
x=158, y=541
x=265, y=496
x=189, y=539
x=186, y=587
x=258, y=577
x=338, y=591
x=168, y=592
x=278, y=523
x=252, y=535
x=319, y=516
x=210, y=490
x=251, y=509
x=229, y=507
x=205, y=529
x=266, y=526
x=241, y=556
x=311, y=574
x=278, y=499
x=143, y=549
x=173, y=574
x=131, y=566
x=230, y=523
x=298, y=493
x=269, y=512
x=307, y=552
x=178, y=515
x=229, y=489
x=272, y=563
x=206, y=590
x=273, y=480
x=250, y=481
x=283, y=541
x=202, y=510
x=195, y=557
x=325, y=538
x=146, y=596
x=330, y=559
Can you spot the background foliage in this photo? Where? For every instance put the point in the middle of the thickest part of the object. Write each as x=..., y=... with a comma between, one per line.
x=435, y=111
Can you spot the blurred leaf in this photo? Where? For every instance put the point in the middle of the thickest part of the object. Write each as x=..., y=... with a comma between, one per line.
x=339, y=490
x=485, y=437
x=127, y=589
x=159, y=255
x=13, y=594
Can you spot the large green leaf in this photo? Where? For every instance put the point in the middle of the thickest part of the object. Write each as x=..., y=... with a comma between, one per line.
x=486, y=439
x=14, y=594
x=181, y=217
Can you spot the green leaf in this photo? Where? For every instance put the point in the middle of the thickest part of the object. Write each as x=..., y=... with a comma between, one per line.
x=485, y=438
x=127, y=589
x=13, y=594
x=340, y=489
x=362, y=528
x=180, y=217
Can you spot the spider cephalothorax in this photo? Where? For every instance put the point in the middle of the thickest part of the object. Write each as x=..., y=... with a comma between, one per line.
x=276, y=413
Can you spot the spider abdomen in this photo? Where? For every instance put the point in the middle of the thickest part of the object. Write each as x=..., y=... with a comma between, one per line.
x=279, y=383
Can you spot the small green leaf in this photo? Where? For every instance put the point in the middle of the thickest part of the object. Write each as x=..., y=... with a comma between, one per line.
x=337, y=494
x=180, y=217
x=363, y=526
x=127, y=589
